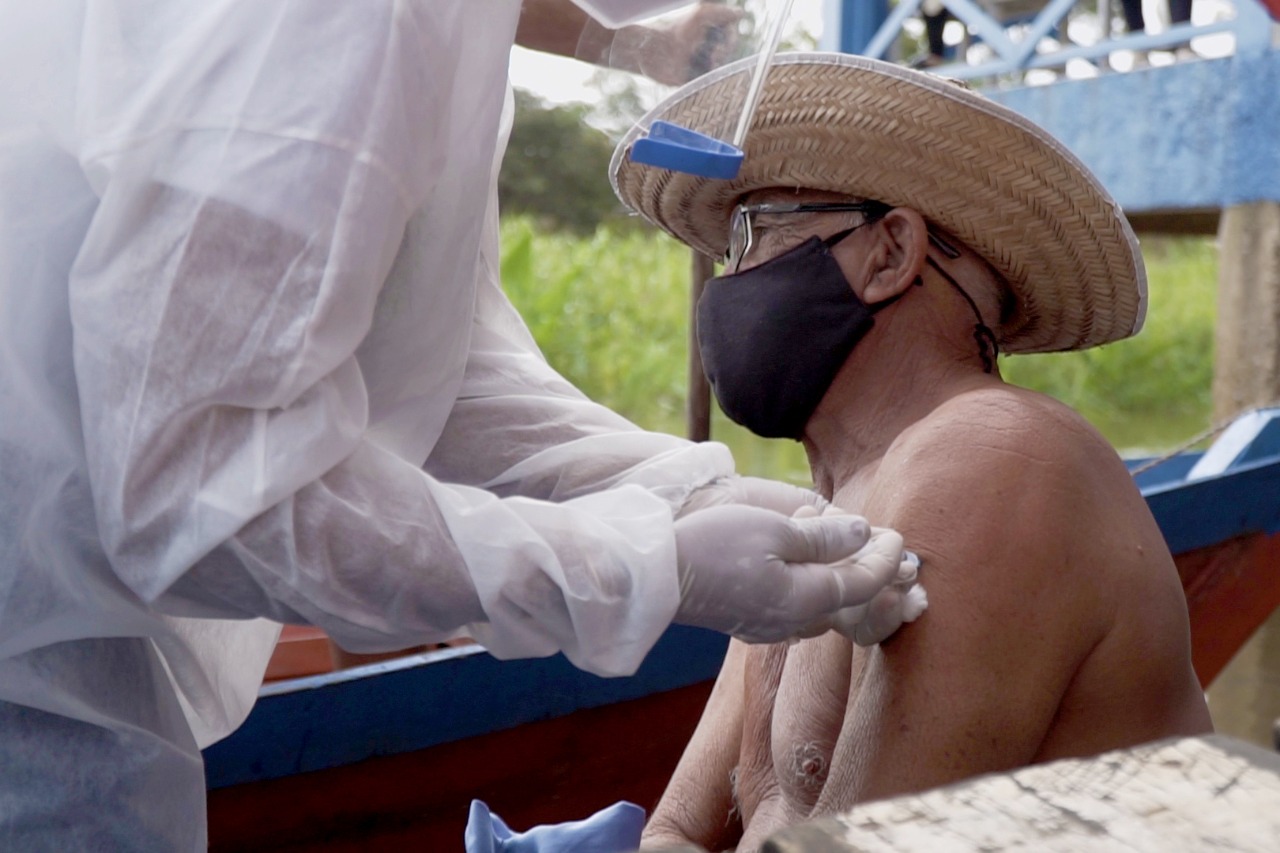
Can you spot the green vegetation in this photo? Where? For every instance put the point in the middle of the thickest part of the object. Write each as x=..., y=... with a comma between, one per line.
x=553, y=167
x=610, y=311
x=1152, y=391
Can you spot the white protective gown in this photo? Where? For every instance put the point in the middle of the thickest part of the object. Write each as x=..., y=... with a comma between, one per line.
x=255, y=362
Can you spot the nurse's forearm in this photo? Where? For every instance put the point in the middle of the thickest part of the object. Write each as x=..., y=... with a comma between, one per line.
x=382, y=557
x=362, y=552
x=552, y=26
x=562, y=28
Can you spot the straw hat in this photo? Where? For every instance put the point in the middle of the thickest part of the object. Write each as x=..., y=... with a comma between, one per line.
x=869, y=129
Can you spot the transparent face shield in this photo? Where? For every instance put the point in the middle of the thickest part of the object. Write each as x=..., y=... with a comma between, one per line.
x=620, y=13
x=672, y=43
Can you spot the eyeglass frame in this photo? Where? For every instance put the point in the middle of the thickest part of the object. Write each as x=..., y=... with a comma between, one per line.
x=872, y=210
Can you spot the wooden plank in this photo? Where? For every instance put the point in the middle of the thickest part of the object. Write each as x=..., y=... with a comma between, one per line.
x=1186, y=794
x=1200, y=221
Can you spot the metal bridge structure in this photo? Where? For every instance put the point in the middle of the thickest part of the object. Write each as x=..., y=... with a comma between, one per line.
x=1180, y=122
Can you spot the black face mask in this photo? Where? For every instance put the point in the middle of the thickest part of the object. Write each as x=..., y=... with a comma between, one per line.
x=773, y=337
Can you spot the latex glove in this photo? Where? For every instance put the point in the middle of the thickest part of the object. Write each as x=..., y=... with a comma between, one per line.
x=679, y=48
x=754, y=491
x=612, y=830
x=902, y=601
x=695, y=42
x=764, y=577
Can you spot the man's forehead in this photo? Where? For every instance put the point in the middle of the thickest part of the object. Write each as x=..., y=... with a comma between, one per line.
x=793, y=195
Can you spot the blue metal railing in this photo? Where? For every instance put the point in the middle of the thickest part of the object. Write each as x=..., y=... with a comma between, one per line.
x=1004, y=38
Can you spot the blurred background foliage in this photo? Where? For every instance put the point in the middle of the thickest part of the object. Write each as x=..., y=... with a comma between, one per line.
x=557, y=166
x=607, y=299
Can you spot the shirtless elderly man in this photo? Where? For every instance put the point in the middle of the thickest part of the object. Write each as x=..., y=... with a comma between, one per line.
x=1056, y=624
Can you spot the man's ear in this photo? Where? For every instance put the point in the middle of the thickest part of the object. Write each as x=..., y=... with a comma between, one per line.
x=900, y=243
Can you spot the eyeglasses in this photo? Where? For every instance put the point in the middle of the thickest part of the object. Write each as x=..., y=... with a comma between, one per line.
x=740, y=229
x=740, y=233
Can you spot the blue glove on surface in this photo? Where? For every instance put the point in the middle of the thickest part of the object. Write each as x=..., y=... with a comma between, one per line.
x=612, y=830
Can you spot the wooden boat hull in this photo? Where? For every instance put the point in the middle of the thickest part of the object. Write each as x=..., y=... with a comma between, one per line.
x=388, y=756
x=547, y=771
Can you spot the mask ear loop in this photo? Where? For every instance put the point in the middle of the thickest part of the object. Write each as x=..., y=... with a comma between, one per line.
x=831, y=241
x=988, y=348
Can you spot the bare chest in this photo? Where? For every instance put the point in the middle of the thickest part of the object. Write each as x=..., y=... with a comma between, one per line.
x=797, y=699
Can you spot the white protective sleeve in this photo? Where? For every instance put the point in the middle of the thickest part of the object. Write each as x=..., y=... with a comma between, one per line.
x=273, y=311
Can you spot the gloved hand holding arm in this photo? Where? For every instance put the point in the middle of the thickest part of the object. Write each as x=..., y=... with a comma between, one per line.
x=754, y=491
x=764, y=577
x=902, y=601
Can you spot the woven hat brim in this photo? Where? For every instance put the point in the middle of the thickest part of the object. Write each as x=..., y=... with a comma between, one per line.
x=870, y=129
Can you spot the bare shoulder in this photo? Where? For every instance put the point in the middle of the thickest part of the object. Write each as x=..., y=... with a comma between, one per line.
x=1021, y=514
x=1005, y=494
x=1005, y=456
x=1006, y=424
x=1036, y=546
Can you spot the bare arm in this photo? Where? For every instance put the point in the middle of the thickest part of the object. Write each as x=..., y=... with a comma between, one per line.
x=698, y=804
x=997, y=507
x=671, y=53
x=552, y=26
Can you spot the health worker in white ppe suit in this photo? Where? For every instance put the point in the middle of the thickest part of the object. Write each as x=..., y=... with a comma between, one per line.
x=256, y=367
